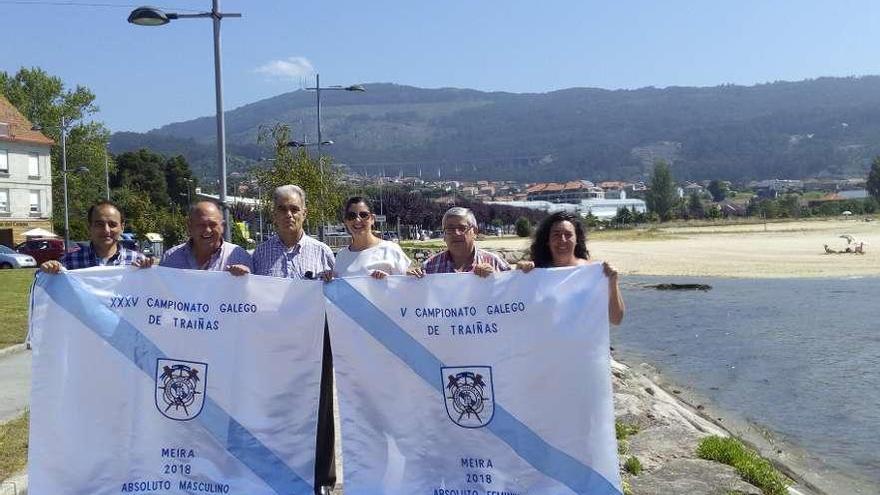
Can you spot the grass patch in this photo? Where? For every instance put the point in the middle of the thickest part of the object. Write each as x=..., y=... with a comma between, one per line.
x=13, y=446
x=14, y=288
x=633, y=466
x=752, y=467
x=622, y=430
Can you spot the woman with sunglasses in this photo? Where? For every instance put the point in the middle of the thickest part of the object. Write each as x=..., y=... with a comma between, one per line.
x=367, y=254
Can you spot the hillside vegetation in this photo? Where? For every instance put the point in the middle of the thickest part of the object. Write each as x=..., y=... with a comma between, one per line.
x=821, y=127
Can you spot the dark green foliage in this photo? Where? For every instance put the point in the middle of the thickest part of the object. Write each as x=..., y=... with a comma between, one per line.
x=661, y=197
x=142, y=171
x=523, y=227
x=622, y=430
x=695, y=206
x=752, y=467
x=179, y=180
x=321, y=181
x=624, y=216
x=44, y=100
x=726, y=132
x=718, y=190
x=633, y=466
x=873, y=183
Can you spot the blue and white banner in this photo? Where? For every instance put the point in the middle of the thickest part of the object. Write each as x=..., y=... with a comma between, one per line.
x=174, y=381
x=457, y=385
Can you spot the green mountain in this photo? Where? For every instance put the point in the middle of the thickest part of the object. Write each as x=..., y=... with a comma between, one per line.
x=819, y=127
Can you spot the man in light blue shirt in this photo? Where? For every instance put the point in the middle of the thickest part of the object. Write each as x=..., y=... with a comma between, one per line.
x=291, y=253
x=206, y=249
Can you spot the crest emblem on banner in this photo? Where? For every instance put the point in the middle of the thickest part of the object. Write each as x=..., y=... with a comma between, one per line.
x=180, y=388
x=470, y=398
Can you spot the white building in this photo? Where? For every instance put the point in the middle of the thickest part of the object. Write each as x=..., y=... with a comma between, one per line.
x=25, y=176
x=603, y=209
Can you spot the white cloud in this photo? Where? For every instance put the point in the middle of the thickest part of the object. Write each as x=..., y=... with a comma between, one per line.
x=290, y=69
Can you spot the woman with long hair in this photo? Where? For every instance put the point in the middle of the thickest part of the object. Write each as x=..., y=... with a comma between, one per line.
x=561, y=240
x=367, y=254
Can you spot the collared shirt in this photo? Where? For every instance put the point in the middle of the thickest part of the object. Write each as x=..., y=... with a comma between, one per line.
x=182, y=256
x=86, y=258
x=274, y=259
x=442, y=262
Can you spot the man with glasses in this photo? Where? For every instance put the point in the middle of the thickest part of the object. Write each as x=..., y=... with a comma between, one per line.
x=291, y=253
x=462, y=254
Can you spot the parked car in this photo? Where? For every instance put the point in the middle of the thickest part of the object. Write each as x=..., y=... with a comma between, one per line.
x=390, y=236
x=10, y=259
x=42, y=249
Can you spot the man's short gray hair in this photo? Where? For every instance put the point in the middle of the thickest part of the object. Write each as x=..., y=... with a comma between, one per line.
x=193, y=208
x=460, y=212
x=288, y=190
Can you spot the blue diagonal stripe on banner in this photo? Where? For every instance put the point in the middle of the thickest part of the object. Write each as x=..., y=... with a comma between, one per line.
x=68, y=293
x=582, y=479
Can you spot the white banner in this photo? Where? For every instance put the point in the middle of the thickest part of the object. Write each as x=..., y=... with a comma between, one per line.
x=174, y=381
x=457, y=385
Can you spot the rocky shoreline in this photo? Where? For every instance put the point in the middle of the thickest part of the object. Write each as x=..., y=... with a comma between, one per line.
x=668, y=431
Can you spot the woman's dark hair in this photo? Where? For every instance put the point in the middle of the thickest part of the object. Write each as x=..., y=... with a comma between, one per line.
x=540, y=248
x=355, y=200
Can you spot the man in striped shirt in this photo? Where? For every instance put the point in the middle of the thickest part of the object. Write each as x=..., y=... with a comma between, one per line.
x=291, y=253
x=106, y=224
x=462, y=254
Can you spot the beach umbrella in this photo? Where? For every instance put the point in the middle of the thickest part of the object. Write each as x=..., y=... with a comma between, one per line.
x=846, y=213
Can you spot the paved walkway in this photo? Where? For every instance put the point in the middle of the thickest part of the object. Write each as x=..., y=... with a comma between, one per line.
x=15, y=384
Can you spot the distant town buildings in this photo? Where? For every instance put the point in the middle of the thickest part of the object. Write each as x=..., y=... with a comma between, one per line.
x=25, y=176
x=569, y=192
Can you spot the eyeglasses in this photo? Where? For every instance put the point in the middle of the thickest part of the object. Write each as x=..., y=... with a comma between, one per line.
x=351, y=215
x=457, y=230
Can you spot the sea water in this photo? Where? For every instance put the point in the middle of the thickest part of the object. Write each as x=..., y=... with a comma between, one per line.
x=800, y=357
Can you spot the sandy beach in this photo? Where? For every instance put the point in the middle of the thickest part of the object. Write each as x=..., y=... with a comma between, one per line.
x=783, y=250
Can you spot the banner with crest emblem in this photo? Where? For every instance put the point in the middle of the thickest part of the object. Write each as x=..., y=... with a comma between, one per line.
x=174, y=381
x=457, y=385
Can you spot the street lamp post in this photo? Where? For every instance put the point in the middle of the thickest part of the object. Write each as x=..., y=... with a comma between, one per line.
x=63, y=129
x=307, y=145
x=151, y=16
x=189, y=183
x=107, y=173
x=317, y=89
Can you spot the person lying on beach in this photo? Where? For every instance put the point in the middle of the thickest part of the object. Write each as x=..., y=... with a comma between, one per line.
x=560, y=240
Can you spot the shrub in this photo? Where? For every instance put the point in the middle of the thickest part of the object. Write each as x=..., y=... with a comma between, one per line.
x=750, y=466
x=523, y=227
x=633, y=466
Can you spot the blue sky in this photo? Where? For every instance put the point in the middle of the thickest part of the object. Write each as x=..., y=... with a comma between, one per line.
x=147, y=77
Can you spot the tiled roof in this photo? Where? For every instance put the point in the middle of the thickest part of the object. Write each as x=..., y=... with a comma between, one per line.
x=573, y=185
x=19, y=128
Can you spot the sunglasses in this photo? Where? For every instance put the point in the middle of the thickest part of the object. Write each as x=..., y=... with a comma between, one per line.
x=351, y=215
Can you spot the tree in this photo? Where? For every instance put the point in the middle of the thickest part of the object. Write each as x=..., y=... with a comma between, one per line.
x=873, y=184
x=179, y=180
x=523, y=227
x=624, y=216
x=143, y=171
x=324, y=190
x=44, y=100
x=695, y=206
x=718, y=190
x=661, y=197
